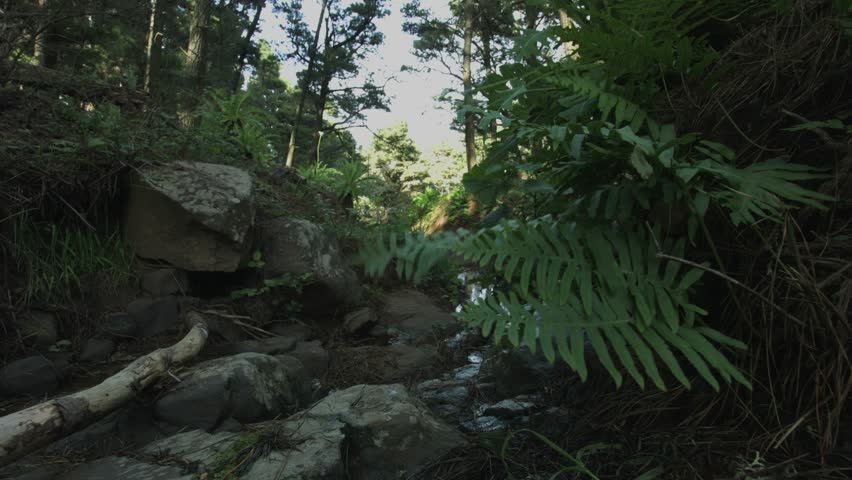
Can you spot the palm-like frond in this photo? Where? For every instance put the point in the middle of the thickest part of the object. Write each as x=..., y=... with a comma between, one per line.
x=577, y=286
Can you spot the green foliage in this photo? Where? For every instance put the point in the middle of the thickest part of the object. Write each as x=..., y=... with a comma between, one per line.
x=574, y=284
x=287, y=280
x=58, y=260
x=593, y=266
x=232, y=127
x=350, y=182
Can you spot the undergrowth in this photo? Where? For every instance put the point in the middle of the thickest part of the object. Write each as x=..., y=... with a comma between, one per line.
x=57, y=259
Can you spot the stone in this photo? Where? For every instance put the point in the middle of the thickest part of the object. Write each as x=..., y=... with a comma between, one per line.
x=484, y=424
x=154, y=316
x=129, y=427
x=120, y=324
x=467, y=372
x=390, y=433
x=124, y=468
x=378, y=331
x=195, y=216
x=40, y=329
x=316, y=453
x=359, y=320
x=509, y=408
x=517, y=372
x=299, y=331
x=97, y=350
x=313, y=356
x=447, y=398
x=165, y=281
x=31, y=376
x=298, y=247
x=313, y=451
x=415, y=315
x=267, y=346
x=248, y=387
x=366, y=432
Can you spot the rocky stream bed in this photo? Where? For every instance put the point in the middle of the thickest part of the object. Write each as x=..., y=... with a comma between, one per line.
x=378, y=384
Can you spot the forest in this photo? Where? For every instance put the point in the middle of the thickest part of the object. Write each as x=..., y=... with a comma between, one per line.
x=622, y=257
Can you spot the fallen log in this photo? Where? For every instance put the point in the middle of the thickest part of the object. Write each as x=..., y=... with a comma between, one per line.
x=30, y=429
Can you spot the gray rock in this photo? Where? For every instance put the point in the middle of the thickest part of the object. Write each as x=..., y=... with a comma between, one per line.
x=97, y=350
x=39, y=474
x=267, y=346
x=153, y=316
x=120, y=324
x=467, y=372
x=313, y=356
x=316, y=453
x=516, y=372
x=307, y=449
x=129, y=427
x=33, y=376
x=447, y=398
x=484, y=424
x=40, y=329
x=196, y=446
x=391, y=434
x=112, y=468
x=165, y=281
x=247, y=387
x=415, y=315
x=196, y=216
x=298, y=247
x=359, y=320
x=508, y=408
x=378, y=331
x=299, y=331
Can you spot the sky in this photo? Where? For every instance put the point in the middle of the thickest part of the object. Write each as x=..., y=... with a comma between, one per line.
x=412, y=93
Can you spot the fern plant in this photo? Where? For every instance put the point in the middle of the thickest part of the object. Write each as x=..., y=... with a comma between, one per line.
x=591, y=270
x=573, y=284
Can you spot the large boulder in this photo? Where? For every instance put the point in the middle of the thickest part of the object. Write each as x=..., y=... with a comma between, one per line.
x=248, y=387
x=298, y=247
x=415, y=317
x=390, y=433
x=196, y=216
x=366, y=432
x=33, y=376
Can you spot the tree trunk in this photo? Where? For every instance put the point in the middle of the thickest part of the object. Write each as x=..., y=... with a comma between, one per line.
x=467, y=80
x=194, y=68
x=241, y=61
x=152, y=49
x=318, y=117
x=566, y=22
x=42, y=51
x=306, y=84
x=28, y=430
x=488, y=63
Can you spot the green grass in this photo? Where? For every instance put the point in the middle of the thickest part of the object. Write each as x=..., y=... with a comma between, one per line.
x=57, y=259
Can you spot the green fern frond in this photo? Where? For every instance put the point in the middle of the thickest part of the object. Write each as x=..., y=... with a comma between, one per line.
x=577, y=287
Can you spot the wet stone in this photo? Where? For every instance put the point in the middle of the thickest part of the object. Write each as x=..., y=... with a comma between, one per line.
x=484, y=424
x=97, y=350
x=508, y=408
x=34, y=376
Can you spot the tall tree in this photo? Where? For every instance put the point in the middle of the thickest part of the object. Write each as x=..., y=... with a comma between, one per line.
x=195, y=66
x=152, y=48
x=467, y=80
x=350, y=35
x=246, y=44
x=296, y=31
x=477, y=32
